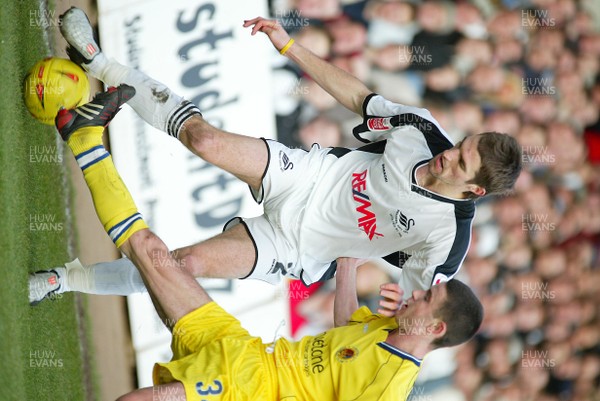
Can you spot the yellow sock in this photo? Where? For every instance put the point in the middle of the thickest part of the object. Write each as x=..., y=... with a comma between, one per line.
x=113, y=202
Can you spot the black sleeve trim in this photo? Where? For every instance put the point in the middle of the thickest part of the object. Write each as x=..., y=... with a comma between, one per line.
x=366, y=103
x=397, y=259
x=374, y=147
x=329, y=274
x=464, y=218
x=436, y=140
x=261, y=190
x=362, y=127
x=339, y=152
x=356, y=131
x=238, y=220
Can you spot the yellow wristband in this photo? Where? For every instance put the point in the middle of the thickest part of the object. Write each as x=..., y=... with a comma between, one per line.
x=286, y=47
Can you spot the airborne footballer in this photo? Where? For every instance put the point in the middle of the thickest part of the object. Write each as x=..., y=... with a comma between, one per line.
x=371, y=357
x=406, y=196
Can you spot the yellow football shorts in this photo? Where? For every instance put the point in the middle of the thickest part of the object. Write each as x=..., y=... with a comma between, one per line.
x=216, y=359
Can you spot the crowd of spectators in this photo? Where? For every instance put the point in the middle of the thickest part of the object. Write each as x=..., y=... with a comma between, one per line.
x=528, y=68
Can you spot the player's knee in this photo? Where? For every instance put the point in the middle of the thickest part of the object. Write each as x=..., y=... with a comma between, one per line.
x=192, y=259
x=148, y=246
x=143, y=241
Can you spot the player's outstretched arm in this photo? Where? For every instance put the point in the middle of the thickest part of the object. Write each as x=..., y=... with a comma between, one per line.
x=346, y=299
x=344, y=87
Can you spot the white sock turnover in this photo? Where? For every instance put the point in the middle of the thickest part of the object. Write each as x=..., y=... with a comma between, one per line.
x=155, y=103
x=119, y=277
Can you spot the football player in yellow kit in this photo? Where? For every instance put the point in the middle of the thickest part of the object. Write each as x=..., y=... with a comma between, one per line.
x=367, y=357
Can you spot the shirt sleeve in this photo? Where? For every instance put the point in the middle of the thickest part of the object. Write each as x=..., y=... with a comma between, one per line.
x=443, y=253
x=379, y=114
x=362, y=315
x=386, y=385
x=417, y=275
x=438, y=261
x=377, y=105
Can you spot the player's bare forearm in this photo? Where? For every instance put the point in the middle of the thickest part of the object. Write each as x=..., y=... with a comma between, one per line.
x=348, y=90
x=344, y=87
x=346, y=299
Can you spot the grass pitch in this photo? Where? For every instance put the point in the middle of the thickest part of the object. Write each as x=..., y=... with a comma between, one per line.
x=40, y=347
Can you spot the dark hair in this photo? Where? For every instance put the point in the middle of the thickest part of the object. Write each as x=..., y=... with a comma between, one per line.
x=462, y=312
x=501, y=163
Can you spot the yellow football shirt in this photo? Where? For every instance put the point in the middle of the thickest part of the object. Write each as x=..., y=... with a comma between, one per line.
x=346, y=363
x=217, y=360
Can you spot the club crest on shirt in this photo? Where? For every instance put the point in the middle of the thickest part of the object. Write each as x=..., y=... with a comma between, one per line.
x=401, y=222
x=346, y=354
x=284, y=161
x=406, y=222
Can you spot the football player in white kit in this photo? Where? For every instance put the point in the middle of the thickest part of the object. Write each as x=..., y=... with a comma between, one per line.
x=406, y=196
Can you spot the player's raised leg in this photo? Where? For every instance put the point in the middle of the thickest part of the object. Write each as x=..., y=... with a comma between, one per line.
x=173, y=289
x=117, y=277
x=243, y=156
x=212, y=258
x=155, y=103
x=82, y=129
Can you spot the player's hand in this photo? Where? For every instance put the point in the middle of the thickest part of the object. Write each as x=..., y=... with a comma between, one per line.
x=391, y=295
x=273, y=29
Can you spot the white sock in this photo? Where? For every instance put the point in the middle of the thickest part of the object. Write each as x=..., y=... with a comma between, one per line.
x=119, y=277
x=154, y=102
x=97, y=65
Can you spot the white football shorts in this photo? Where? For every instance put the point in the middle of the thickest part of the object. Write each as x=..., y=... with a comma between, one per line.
x=286, y=187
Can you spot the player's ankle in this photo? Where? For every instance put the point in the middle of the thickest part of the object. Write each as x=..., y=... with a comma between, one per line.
x=98, y=65
x=84, y=139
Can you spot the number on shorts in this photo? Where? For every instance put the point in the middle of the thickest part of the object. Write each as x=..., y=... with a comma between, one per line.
x=209, y=390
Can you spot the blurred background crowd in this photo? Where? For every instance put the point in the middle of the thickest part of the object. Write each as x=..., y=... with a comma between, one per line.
x=527, y=68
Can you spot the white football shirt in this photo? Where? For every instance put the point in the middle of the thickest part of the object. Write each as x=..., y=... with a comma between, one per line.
x=366, y=202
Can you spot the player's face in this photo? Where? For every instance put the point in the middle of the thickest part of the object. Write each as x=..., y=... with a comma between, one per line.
x=422, y=305
x=457, y=166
